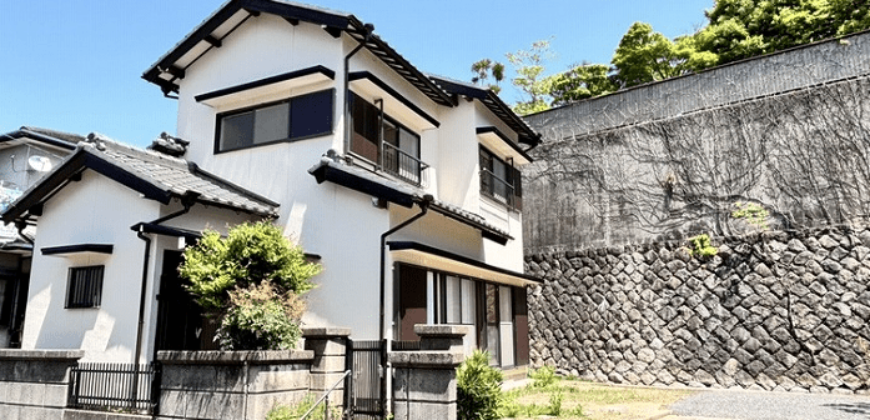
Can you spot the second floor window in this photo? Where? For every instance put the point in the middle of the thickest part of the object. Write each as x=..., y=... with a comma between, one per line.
x=296, y=118
x=385, y=142
x=500, y=180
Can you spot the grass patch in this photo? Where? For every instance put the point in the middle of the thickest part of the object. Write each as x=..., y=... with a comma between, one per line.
x=567, y=398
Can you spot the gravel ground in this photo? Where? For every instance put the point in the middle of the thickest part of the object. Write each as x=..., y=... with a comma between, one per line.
x=741, y=405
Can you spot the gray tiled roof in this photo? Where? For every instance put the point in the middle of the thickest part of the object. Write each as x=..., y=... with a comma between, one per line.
x=177, y=176
x=412, y=191
x=70, y=137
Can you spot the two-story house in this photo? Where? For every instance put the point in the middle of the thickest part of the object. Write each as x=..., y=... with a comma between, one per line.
x=405, y=185
x=26, y=155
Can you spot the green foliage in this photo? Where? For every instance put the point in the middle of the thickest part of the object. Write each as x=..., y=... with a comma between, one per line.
x=543, y=377
x=754, y=214
x=294, y=412
x=478, y=388
x=261, y=318
x=581, y=82
x=486, y=68
x=529, y=65
x=702, y=246
x=735, y=30
x=251, y=280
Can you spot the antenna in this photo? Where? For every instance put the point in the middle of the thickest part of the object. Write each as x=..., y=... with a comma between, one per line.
x=39, y=164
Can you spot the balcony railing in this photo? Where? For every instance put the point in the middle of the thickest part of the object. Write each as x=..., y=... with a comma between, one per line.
x=396, y=162
x=499, y=189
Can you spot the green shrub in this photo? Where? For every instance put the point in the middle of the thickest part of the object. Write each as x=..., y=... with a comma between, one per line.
x=702, y=246
x=754, y=214
x=543, y=377
x=478, y=388
x=294, y=412
x=251, y=282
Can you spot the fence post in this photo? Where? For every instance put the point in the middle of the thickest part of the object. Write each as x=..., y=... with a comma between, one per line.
x=330, y=351
x=424, y=382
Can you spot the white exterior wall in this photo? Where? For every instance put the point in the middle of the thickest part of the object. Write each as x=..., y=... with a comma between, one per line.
x=335, y=222
x=100, y=211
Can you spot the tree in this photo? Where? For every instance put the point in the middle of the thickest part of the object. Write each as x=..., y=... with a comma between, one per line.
x=529, y=65
x=581, y=82
x=485, y=68
x=645, y=56
x=251, y=281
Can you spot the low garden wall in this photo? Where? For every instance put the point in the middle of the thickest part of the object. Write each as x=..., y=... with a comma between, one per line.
x=784, y=311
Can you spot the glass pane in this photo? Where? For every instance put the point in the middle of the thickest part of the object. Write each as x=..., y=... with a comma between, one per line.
x=271, y=123
x=237, y=131
x=499, y=171
x=391, y=133
x=409, y=143
x=311, y=114
x=504, y=300
x=468, y=300
x=453, y=302
x=491, y=302
x=365, y=129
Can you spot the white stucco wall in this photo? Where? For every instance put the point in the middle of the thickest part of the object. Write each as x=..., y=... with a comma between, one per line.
x=95, y=210
x=335, y=222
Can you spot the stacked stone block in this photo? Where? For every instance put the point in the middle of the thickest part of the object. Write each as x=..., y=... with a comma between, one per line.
x=784, y=311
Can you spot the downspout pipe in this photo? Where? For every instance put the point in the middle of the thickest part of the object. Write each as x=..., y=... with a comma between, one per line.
x=187, y=201
x=424, y=208
x=20, y=225
x=368, y=28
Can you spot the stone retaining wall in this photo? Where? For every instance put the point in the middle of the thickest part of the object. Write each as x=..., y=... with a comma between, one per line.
x=784, y=311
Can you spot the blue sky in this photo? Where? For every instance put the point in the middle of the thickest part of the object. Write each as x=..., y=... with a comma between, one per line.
x=75, y=65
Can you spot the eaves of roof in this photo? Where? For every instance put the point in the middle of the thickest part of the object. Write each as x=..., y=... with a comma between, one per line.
x=333, y=22
x=492, y=102
x=54, y=138
x=151, y=174
x=361, y=180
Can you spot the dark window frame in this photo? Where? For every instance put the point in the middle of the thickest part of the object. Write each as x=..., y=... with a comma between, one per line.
x=380, y=130
x=514, y=198
x=219, y=118
x=73, y=287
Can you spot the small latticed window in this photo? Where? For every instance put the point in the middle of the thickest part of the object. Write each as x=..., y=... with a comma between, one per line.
x=85, y=287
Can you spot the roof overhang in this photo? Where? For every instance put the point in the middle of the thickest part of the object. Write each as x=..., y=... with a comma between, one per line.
x=16, y=247
x=24, y=133
x=395, y=104
x=369, y=183
x=492, y=102
x=30, y=203
x=335, y=173
x=267, y=86
x=78, y=249
x=171, y=68
x=426, y=256
x=495, y=140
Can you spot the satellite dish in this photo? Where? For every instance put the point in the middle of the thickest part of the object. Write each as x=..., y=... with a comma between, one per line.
x=39, y=164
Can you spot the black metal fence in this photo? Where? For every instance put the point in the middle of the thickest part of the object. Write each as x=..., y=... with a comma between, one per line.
x=115, y=386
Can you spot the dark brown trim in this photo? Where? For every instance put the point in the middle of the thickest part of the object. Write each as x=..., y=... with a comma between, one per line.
x=78, y=249
x=359, y=75
x=504, y=138
x=267, y=81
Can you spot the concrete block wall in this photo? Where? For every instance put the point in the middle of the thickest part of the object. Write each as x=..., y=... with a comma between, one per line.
x=238, y=385
x=34, y=384
x=780, y=311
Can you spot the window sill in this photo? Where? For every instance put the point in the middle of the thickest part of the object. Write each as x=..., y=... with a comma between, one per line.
x=498, y=203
